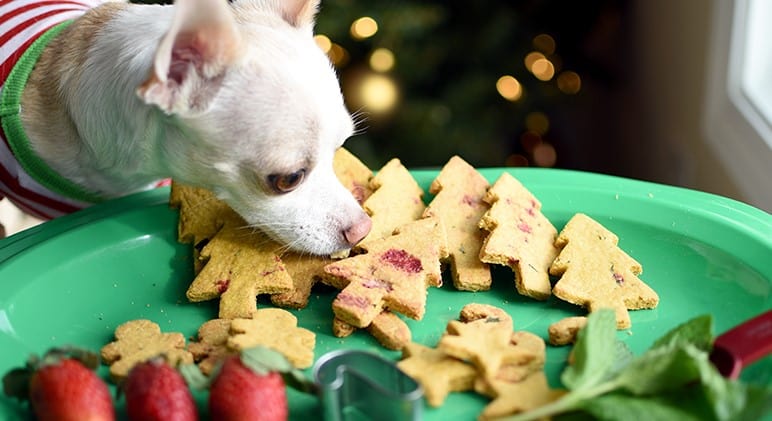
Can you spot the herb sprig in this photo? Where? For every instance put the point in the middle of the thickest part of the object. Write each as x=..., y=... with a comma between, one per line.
x=673, y=380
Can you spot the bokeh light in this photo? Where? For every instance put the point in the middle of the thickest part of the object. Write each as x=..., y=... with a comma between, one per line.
x=364, y=27
x=544, y=155
x=378, y=93
x=537, y=122
x=531, y=58
x=569, y=82
x=323, y=42
x=338, y=55
x=382, y=60
x=544, y=43
x=516, y=160
x=509, y=88
x=543, y=69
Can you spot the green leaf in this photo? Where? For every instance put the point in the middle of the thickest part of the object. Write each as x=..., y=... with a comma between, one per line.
x=622, y=357
x=264, y=360
x=594, y=352
x=661, y=369
x=731, y=399
x=193, y=376
x=622, y=407
x=697, y=331
x=758, y=403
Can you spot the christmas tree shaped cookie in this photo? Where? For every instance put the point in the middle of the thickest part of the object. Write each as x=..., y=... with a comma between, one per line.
x=387, y=328
x=203, y=216
x=201, y=213
x=596, y=273
x=394, y=273
x=395, y=201
x=353, y=174
x=520, y=236
x=459, y=190
x=305, y=271
x=239, y=265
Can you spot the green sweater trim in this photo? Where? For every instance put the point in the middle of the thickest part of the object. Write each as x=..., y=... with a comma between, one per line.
x=10, y=108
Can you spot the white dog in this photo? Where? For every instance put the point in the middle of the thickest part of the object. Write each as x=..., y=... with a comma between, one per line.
x=236, y=98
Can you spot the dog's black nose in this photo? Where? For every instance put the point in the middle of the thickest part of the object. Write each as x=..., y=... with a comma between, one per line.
x=355, y=232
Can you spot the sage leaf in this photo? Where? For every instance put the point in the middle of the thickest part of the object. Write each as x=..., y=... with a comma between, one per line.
x=662, y=369
x=594, y=352
x=697, y=331
x=622, y=407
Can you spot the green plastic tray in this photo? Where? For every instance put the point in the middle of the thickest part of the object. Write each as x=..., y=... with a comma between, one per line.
x=74, y=279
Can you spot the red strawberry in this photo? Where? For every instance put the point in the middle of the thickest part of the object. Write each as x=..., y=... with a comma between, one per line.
x=251, y=386
x=62, y=386
x=241, y=393
x=155, y=391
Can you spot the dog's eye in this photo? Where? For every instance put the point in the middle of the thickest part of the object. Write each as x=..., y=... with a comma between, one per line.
x=285, y=183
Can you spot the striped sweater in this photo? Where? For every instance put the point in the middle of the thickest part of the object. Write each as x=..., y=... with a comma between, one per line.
x=25, y=28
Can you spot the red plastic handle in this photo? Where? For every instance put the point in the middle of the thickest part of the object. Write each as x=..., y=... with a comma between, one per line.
x=743, y=345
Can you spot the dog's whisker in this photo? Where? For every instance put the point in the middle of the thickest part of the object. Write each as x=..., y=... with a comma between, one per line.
x=360, y=117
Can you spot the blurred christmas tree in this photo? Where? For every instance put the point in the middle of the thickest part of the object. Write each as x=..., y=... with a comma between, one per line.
x=499, y=83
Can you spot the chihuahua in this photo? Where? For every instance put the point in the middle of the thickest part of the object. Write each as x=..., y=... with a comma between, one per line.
x=233, y=97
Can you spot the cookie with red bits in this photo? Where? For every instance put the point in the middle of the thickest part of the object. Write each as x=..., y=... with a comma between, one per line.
x=596, y=273
x=353, y=174
x=306, y=271
x=238, y=266
x=387, y=328
x=458, y=202
x=393, y=273
x=396, y=199
x=519, y=236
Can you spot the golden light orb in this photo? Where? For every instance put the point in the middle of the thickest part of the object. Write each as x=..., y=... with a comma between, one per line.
x=543, y=69
x=531, y=58
x=323, y=42
x=509, y=88
x=382, y=60
x=378, y=93
x=338, y=55
x=364, y=27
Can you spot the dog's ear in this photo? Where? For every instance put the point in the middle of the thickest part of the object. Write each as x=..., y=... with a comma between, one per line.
x=192, y=56
x=299, y=13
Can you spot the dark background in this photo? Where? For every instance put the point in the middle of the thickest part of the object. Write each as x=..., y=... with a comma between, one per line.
x=448, y=57
x=640, y=112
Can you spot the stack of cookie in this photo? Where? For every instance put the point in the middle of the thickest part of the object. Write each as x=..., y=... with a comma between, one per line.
x=467, y=226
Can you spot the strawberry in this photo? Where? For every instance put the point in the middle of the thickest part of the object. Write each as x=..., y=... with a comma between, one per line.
x=239, y=393
x=155, y=391
x=62, y=386
x=251, y=386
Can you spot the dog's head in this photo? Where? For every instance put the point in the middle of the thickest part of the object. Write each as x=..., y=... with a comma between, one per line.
x=262, y=114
